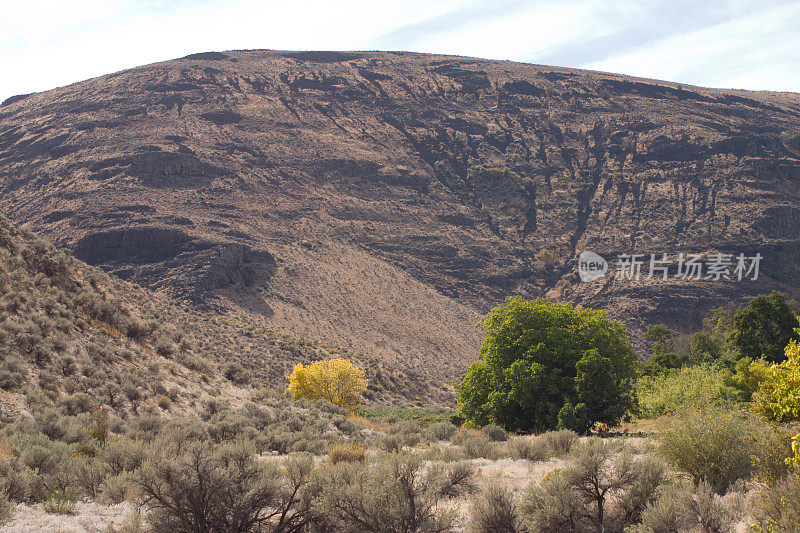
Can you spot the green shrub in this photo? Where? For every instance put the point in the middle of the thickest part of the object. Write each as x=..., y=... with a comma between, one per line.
x=673, y=391
x=494, y=511
x=765, y=327
x=715, y=446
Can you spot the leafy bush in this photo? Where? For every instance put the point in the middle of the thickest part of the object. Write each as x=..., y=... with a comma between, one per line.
x=689, y=387
x=715, y=446
x=334, y=380
x=494, y=511
x=778, y=395
x=765, y=327
x=540, y=357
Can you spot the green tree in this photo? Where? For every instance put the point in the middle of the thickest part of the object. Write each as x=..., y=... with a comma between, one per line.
x=664, y=350
x=765, y=327
x=542, y=363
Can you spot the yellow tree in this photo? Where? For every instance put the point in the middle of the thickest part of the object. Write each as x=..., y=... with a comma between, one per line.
x=335, y=380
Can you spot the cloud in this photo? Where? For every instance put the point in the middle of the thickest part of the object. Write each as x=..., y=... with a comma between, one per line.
x=47, y=43
x=755, y=50
x=457, y=18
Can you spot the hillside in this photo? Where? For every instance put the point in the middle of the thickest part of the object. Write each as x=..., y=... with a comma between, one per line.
x=384, y=201
x=70, y=328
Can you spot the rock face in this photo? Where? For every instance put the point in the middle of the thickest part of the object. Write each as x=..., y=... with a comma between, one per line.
x=383, y=201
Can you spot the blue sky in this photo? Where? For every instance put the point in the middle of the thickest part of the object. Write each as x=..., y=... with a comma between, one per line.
x=724, y=43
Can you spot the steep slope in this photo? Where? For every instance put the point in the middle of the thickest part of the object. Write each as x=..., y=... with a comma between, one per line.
x=383, y=201
x=66, y=327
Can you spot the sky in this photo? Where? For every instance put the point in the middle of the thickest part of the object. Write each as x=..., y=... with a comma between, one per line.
x=740, y=44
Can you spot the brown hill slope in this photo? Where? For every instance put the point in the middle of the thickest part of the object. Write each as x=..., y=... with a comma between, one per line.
x=383, y=201
x=66, y=327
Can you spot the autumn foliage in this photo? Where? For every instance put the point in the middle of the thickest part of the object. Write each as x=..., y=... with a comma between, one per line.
x=335, y=380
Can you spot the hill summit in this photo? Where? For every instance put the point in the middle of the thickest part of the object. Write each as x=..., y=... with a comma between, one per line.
x=384, y=201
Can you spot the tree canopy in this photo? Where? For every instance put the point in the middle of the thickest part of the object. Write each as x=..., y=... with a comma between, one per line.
x=765, y=327
x=335, y=380
x=544, y=364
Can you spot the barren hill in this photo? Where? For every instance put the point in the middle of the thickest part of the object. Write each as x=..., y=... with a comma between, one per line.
x=384, y=201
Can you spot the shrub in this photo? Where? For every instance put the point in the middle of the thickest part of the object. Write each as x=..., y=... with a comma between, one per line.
x=681, y=507
x=772, y=445
x=689, y=387
x=530, y=449
x=478, y=446
x=670, y=512
x=235, y=373
x=561, y=441
x=335, y=380
x=441, y=431
x=495, y=433
x=193, y=486
x=61, y=501
x=117, y=488
x=394, y=494
x=6, y=510
x=392, y=443
x=347, y=453
x=456, y=479
x=539, y=357
x=605, y=487
x=713, y=446
x=494, y=511
x=777, y=397
x=778, y=507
